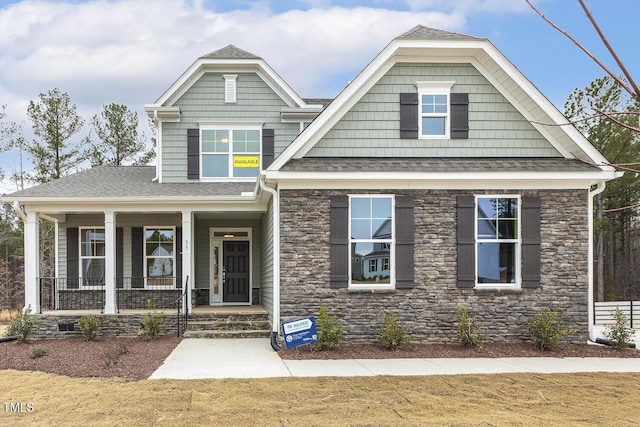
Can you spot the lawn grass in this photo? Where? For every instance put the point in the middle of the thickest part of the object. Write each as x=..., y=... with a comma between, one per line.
x=601, y=399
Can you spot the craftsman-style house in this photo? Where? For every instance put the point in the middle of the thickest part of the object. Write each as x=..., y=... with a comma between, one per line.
x=439, y=176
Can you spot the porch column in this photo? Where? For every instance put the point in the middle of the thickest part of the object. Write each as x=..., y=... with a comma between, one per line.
x=32, y=262
x=186, y=256
x=110, y=262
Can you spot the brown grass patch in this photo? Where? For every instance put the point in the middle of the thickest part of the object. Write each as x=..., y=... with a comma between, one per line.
x=6, y=315
x=601, y=399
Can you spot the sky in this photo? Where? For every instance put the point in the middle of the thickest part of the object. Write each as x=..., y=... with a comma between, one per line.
x=130, y=51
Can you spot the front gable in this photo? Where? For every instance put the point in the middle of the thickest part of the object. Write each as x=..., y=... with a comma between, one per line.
x=507, y=115
x=234, y=96
x=372, y=127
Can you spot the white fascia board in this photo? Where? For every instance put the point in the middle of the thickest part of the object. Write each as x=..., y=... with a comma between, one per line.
x=143, y=206
x=442, y=180
x=259, y=66
x=166, y=114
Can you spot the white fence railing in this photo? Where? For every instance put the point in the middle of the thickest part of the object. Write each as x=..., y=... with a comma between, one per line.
x=603, y=312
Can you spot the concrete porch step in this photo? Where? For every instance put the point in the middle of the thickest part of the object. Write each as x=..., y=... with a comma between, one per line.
x=228, y=334
x=227, y=325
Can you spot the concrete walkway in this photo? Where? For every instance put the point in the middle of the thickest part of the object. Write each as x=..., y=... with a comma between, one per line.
x=253, y=358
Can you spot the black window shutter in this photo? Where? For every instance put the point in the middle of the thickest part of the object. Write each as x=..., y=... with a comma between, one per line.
x=137, y=257
x=466, y=242
x=409, y=115
x=530, y=241
x=339, y=239
x=268, y=147
x=193, y=153
x=459, y=116
x=119, y=257
x=73, y=259
x=404, y=242
x=179, y=257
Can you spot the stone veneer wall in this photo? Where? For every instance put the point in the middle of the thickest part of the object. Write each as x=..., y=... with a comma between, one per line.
x=119, y=325
x=428, y=310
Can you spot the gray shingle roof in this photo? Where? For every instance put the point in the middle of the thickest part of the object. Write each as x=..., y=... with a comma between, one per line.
x=420, y=32
x=365, y=164
x=231, y=52
x=128, y=182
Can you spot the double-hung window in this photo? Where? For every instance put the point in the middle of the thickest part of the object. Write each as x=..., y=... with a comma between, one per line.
x=230, y=152
x=159, y=256
x=371, y=225
x=497, y=240
x=92, y=256
x=434, y=109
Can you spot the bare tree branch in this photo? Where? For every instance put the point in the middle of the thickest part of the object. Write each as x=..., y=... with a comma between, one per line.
x=616, y=121
x=607, y=114
x=636, y=91
x=622, y=83
x=624, y=208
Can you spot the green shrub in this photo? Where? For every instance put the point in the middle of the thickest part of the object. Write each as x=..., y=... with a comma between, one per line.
x=392, y=333
x=88, y=325
x=468, y=328
x=151, y=326
x=546, y=329
x=38, y=352
x=330, y=331
x=619, y=333
x=21, y=326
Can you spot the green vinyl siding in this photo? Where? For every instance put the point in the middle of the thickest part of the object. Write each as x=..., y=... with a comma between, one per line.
x=267, y=285
x=371, y=127
x=204, y=102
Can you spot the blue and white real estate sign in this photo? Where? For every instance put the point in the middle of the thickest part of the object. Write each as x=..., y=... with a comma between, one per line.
x=299, y=332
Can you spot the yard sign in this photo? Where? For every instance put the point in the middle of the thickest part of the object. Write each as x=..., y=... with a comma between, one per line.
x=299, y=332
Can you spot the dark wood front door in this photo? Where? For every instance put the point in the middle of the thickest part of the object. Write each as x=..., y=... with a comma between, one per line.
x=236, y=271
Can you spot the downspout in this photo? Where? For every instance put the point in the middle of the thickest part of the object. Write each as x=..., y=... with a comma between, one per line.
x=599, y=189
x=276, y=259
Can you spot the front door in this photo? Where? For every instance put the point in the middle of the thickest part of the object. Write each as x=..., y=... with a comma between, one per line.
x=235, y=272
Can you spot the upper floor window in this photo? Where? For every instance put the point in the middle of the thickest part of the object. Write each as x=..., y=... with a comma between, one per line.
x=230, y=152
x=434, y=109
x=497, y=240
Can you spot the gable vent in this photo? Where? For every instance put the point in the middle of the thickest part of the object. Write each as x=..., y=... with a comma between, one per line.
x=230, y=87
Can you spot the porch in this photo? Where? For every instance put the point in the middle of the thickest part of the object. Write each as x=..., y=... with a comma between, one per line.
x=202, y=322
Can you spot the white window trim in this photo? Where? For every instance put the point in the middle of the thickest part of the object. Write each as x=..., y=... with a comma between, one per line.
x=518, y=242
x=82, y=257
x=146, y=256
x=230, y=153
x=392, y=253
x=230, y=88
x=435, y=88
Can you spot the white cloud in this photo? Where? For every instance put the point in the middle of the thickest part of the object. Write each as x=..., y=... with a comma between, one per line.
x=130, y=51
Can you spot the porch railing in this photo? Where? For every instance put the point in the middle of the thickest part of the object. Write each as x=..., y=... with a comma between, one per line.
x=603, y=312
x=183, y=310
x=58, y=293
x=141, y=293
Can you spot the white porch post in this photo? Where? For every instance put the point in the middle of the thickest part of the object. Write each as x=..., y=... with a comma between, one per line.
x=187, y=255
x=32, y=262
x=110, y=262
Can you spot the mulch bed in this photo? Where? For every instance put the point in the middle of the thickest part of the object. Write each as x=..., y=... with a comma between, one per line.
x=127, y=358
x=490, y=350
